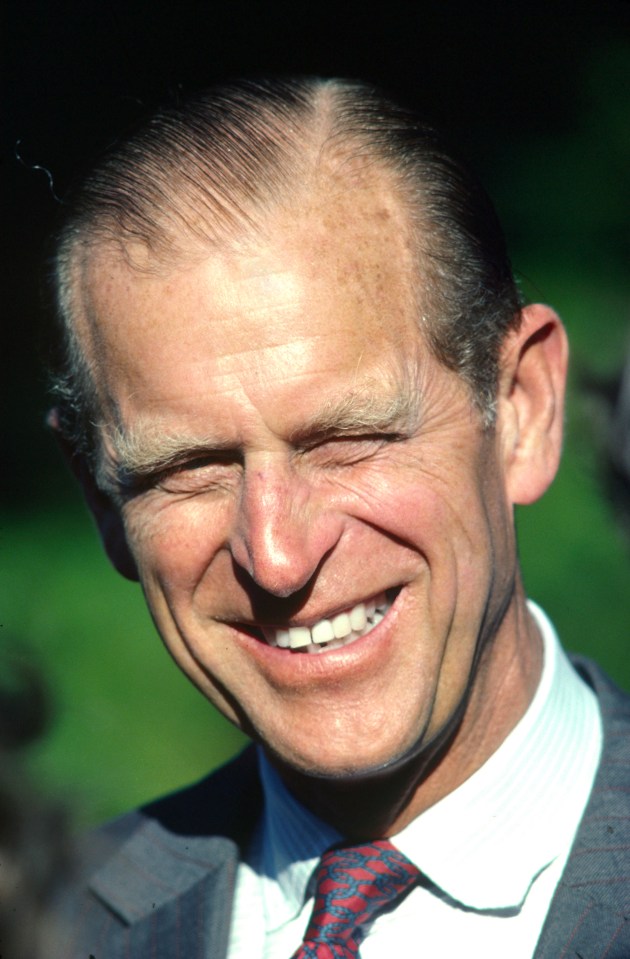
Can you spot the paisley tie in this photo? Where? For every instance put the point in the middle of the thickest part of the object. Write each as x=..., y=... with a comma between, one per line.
x=352, y=884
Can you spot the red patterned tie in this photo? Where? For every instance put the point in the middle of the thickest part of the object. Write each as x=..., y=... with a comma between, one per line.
x=352, y=884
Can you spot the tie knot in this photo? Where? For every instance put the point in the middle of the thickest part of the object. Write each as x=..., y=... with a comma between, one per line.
x=352, y=884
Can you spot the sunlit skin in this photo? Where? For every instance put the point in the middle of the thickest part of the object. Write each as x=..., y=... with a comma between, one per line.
x=276, y=501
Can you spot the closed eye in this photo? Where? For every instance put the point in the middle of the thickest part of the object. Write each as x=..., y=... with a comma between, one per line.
x=206, y=471
x=348, y=449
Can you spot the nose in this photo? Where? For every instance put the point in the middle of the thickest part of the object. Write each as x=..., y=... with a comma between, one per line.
x=282, y=530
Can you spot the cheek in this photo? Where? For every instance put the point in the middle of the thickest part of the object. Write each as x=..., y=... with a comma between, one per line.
x=437, y=511
x=173, y=543
x=462, y=551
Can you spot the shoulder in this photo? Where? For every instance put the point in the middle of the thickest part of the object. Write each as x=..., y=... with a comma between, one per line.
x=614, y=702
x=588, y=913
x=139, y=871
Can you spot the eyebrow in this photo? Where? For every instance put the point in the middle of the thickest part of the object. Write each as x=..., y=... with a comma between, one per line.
x=363, y=409
x=141, y=454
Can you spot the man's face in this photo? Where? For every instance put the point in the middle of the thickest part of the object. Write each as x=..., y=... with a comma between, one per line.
x=295, y=465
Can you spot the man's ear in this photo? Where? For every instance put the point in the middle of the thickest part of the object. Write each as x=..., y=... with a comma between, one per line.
x=530, y=411
x=105, y=512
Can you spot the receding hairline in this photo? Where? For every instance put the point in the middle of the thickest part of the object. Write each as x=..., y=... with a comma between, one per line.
x=304, y=128
x=145, y=450
x=332, y=160
x=349, y=178
x=317, y=146
x=324, y=188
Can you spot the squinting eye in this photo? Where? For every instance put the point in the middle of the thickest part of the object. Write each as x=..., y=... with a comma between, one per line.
x=199, y=474
x=203, y=472
x=348, y=450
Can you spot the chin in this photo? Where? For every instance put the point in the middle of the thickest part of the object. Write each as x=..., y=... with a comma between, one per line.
x=349, y=765
x=390, y=767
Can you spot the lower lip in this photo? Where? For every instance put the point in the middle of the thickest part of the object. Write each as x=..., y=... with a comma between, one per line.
x=288, y=666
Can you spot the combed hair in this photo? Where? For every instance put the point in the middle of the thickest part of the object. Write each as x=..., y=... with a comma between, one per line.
x=206, y=170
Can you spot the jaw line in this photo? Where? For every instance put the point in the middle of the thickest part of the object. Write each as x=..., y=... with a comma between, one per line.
x=399, y=776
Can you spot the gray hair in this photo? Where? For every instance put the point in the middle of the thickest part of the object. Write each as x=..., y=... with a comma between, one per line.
x=206, y=170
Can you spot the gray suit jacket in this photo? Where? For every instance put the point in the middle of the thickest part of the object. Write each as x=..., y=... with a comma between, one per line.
x=165, y=883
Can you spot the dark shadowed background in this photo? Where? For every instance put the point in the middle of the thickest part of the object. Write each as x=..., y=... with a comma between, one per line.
x=536, y=96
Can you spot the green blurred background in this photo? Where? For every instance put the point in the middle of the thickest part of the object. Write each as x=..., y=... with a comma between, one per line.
x=536, y=96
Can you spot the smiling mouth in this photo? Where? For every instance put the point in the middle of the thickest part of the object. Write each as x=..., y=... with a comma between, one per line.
x=334, y=633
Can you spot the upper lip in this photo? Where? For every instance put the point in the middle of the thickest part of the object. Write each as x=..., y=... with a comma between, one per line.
x=312, y=620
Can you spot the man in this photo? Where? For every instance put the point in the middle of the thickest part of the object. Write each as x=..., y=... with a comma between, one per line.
x=303, y=398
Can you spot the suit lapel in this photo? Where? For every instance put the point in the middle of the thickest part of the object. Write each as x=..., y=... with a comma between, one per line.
x=588, y=918
x=173, y=896
x=195, y=925
x=168, y=889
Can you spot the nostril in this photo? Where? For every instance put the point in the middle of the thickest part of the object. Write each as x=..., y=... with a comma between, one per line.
x=268, y=606
x=276, y=573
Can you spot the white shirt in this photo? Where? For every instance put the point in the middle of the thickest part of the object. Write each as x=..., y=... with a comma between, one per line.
x=492, y=851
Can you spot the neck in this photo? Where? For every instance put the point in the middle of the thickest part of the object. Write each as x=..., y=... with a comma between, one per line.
x=368, y=806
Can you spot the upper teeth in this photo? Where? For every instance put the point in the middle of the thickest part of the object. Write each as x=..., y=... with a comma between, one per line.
x=331, y=633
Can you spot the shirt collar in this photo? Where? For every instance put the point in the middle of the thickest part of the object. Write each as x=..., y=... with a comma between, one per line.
x=484, y=844
x=292, y=842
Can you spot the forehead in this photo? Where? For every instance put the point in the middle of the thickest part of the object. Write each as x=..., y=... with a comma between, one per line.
x=325, y=289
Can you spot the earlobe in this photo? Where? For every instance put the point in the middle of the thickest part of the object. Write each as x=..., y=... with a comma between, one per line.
x=104, y=511
x=531, y=402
